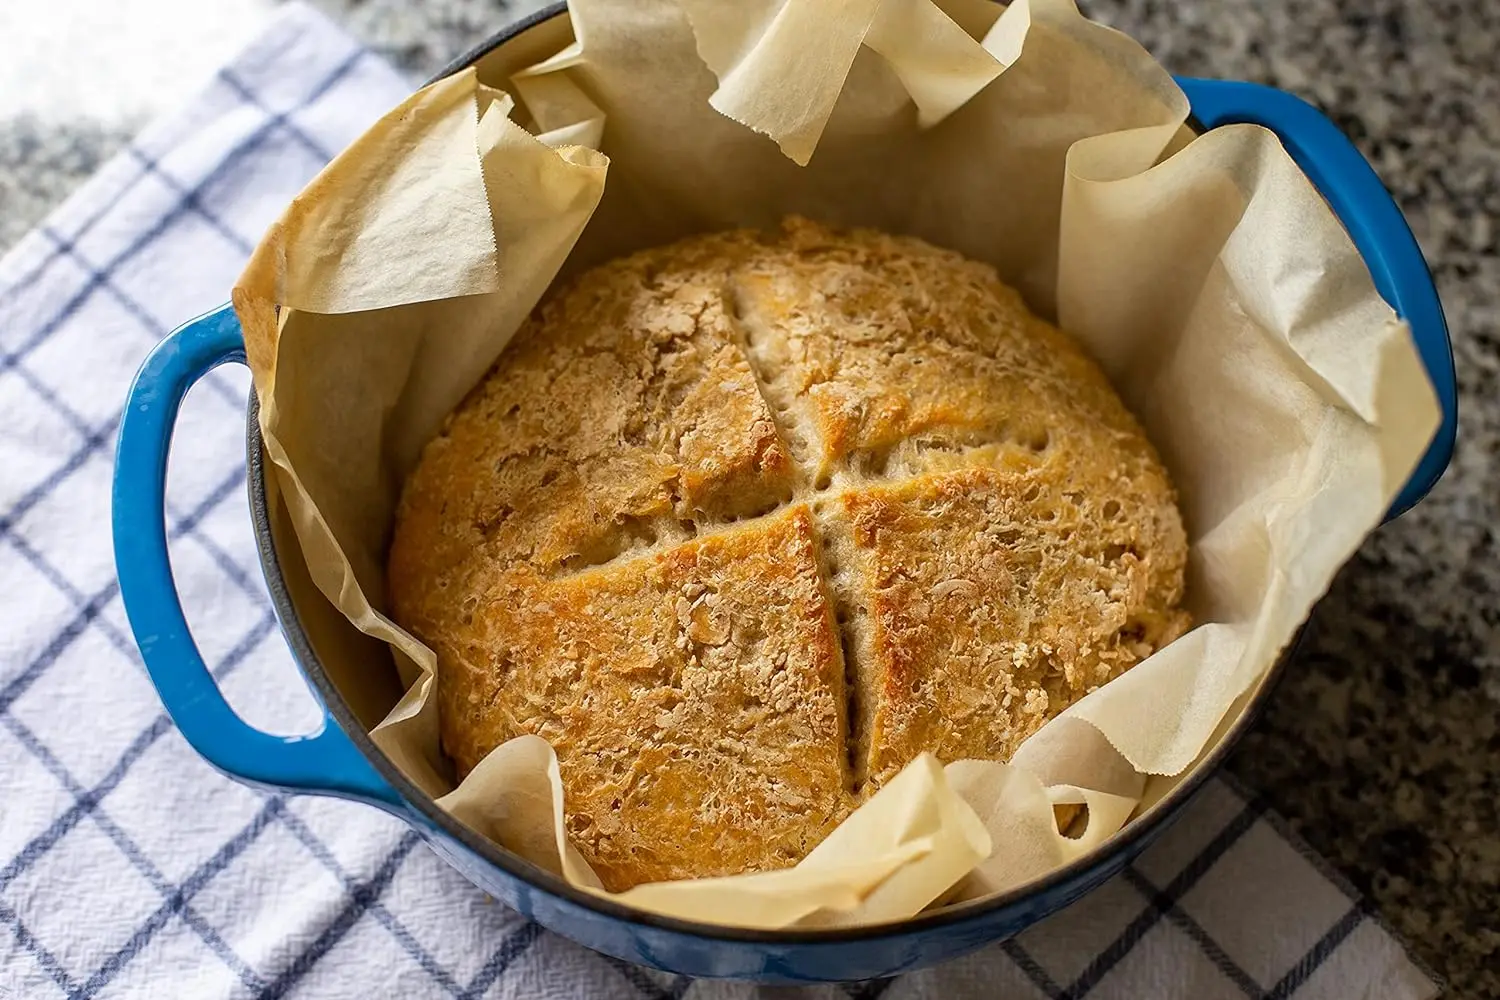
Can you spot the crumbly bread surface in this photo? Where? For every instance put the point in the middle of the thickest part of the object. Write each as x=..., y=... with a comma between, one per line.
x=743, y=524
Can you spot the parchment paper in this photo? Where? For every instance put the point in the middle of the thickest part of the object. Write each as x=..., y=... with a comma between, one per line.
x=1207, y=276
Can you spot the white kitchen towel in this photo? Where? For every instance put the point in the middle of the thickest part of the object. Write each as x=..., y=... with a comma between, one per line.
x=129, y=868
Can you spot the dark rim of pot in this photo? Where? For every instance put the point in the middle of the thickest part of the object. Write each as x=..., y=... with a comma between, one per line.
x=958, y=914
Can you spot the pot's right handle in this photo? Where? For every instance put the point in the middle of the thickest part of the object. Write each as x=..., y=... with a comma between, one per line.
x=326, y=761
x=1379, y=230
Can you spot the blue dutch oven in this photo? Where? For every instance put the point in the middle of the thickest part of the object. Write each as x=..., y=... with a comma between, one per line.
x=341, y=760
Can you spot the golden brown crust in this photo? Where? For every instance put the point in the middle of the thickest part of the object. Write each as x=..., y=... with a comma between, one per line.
x=913, y=449
x=995, y=598
x=694, y=698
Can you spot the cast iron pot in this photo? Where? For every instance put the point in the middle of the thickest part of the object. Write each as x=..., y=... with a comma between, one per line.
x=340, y=758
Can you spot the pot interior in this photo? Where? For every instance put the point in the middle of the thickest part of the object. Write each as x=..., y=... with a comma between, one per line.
x=356, y=676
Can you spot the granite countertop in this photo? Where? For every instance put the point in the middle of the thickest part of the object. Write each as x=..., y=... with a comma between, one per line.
x=1382, y=744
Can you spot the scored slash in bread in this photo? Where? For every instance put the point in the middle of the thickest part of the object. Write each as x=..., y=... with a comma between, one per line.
x=742, y=525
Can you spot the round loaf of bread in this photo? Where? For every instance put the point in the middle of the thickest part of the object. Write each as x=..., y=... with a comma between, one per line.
x=742, y=525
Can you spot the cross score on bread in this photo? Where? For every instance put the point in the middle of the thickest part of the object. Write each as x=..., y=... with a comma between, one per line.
x=742, y=525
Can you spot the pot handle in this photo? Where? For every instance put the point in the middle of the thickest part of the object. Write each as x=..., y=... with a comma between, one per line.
x=326, y=761
x=1374, y=222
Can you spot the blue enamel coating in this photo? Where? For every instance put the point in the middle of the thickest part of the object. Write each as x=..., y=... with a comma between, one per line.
x=1376, y=225
x=325, y=761
x=331, y=763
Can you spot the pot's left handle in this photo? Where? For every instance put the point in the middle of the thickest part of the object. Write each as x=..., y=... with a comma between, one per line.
x=325, y=762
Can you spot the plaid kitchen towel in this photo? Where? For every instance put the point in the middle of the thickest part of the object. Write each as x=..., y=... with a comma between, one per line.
x=129, y=868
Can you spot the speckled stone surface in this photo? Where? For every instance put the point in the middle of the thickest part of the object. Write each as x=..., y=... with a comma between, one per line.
x=40, y=163
x=1382, y=744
